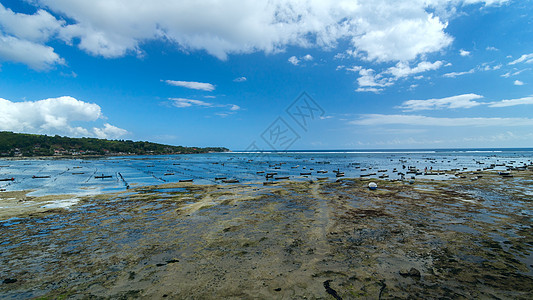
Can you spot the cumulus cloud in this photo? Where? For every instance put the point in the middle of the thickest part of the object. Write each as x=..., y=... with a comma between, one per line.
x=307, y=57
x=54, y=116
x=463, y=52
x=37, y=27
x=34, y=55
x=403, y=69
x=109, y=132
x=371, y=81
x=376, y=31
x=192, y=85
x=294, y=60
x=525, y=58
x=518, y=82
x=418, y=120
x=22, y=37
x=459, y=101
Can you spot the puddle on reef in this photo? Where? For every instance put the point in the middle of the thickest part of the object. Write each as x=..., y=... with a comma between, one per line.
x=292, y=240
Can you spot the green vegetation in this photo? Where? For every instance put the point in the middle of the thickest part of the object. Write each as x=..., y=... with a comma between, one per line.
x=21, y=144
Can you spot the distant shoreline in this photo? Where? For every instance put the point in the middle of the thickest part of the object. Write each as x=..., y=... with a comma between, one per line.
x=94, y=156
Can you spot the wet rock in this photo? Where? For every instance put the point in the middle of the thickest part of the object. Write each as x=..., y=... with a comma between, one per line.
x=331, y=291
x=9, y=280
x=411, y=273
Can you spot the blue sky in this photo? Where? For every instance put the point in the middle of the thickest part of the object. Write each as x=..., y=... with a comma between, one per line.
x=375, y=74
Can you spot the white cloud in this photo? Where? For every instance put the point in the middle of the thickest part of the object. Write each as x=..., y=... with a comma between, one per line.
x=463, y=52
x=370, y=81
x=109, y=132
x=526, y=58
x=240, y=79
x=192, y=85
x=369, y=89
x=455, y=74
x=400, y=32
x=183, y=102
x=369, y=78
x=54, y=116
x=417, y=120
x=34, y=55
x=509, y=74
x=307, y=57
x=377, y=31
x=512, y=102
x=37, y=27
x=402, y=69
x=294, y=60
x=459, y=101
x=22, y=37
x=491, y=48
x=518, y=82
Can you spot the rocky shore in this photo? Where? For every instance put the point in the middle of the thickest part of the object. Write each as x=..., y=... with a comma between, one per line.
x=459, y=239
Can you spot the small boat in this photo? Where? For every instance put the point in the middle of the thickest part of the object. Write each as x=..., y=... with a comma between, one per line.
x=260, y=172
x=321, y=178
x=78, y=173
x=186, y=180
x=321, y=171
x=102, y=176
x=364, y=175
x=168, y=174
x=220, y=178
x=8, y=179
x=372, y=186
x=230, y=180
x=339, y=174
x=305, y=173
x=45, y=176
x=271, y=174
x=281, y=177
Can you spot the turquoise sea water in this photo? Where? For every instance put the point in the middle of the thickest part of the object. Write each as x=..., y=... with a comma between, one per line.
x=78, y=176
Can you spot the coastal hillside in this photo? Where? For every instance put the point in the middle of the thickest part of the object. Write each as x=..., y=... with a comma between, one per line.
x=21, y=144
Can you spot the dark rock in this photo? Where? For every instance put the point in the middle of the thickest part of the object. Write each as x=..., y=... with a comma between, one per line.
x=9, y=280
x=411, y=273
x=277, y=290
x=331, y=291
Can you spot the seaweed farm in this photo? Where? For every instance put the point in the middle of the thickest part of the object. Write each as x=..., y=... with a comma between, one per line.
x=440, y=224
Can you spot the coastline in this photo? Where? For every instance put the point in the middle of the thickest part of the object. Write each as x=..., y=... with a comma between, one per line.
x=454, y=238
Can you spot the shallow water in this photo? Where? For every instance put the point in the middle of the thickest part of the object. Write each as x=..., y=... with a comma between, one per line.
x=66, y=178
